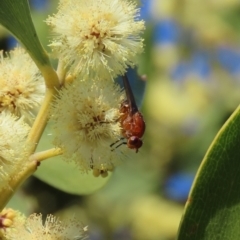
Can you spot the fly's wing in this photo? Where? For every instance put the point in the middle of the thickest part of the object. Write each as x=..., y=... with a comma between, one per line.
x=129, y=95
x=137, y=84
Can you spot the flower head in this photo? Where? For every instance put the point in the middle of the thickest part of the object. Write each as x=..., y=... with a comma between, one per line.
x=13, y=149
x=103, y=171
x=97, y=37
x=52, y=229
x=10, y=219
x=21, y=85
x=86, y=123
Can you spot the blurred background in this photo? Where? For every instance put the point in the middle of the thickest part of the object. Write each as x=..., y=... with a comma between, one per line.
x=192, y=63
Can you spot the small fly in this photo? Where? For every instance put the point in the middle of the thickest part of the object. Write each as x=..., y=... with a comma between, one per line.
x=131, y=120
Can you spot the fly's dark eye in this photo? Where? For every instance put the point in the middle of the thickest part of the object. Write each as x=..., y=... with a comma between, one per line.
x=134, y=142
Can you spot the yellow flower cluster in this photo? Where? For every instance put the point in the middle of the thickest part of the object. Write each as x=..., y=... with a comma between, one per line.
x=21, y=85
x=96, y=41
x=97, y=38
x=13, y=150
x=21, y=92
x=85, y=117
x=16, y=226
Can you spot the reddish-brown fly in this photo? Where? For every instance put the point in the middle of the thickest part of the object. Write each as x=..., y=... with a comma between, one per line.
x=131, y=120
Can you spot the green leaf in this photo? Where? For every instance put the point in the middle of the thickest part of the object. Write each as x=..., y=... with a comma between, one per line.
x=15, y=16
x=213, y=207
x=65, y=176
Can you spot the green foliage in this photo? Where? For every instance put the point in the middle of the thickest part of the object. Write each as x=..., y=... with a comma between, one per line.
x=15, y=16
x=213, y=206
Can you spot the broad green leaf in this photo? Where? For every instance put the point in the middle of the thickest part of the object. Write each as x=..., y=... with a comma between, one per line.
x=212, y=211
x=65, y=176
x=15, y=16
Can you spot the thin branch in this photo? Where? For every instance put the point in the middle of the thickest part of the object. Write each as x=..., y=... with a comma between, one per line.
x=40, y=156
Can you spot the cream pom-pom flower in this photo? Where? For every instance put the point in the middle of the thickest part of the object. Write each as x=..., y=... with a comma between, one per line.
x=13, y=148
x=97, y=37
x=52, y=229
x=21, y=85
x=86, y=123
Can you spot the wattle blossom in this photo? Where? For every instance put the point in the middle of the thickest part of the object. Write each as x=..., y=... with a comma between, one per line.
x=97, y=38
x=86, y=123
x=21, y=85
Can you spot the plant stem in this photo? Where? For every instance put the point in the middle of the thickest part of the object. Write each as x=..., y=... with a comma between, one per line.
x=40, y=156
x=41, y=120
x=61, y=72
x=50, y=76
x=52, y=84
x=16, y=181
